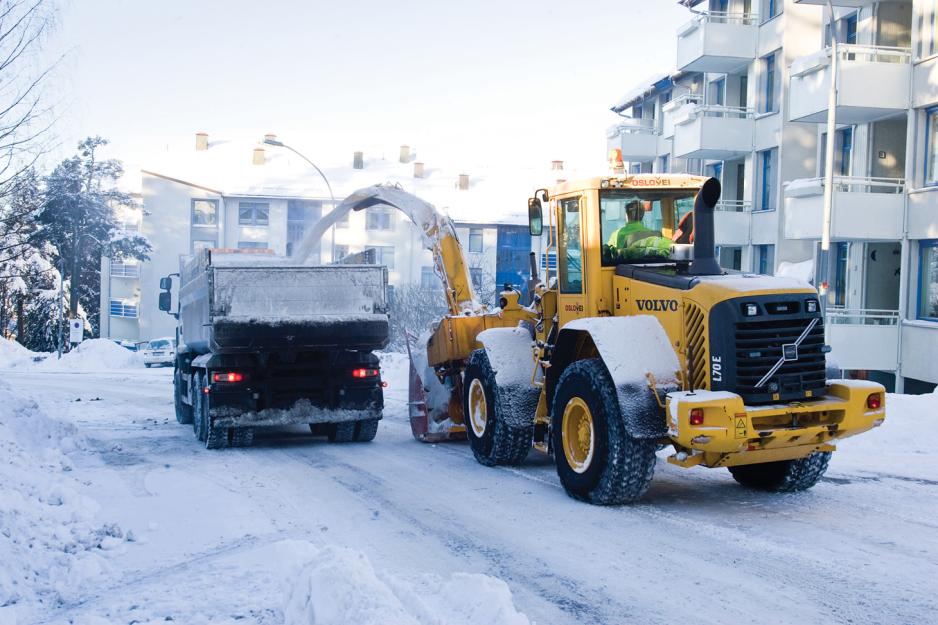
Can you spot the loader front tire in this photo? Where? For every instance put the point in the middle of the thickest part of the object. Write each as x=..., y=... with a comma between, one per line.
x=785, y=476
x=597, y=460
x=493, y=440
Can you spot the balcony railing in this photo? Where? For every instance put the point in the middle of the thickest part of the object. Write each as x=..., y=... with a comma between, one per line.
x=846, y=184
x=862, y=316
x=631, y=125
x=849, y=52
x=719, y=110
x=724, y=17
x=682, y=100
x=125, y=270
x=734, y=206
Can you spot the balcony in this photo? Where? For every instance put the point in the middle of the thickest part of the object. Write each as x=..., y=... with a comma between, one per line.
x=923, y=213
x=637, y=138
x=873, y=83
x=713, y=132
x=867, y=209
x=863, y=338
x=919, y=346
x=716, y=41
x=731, y=222
x=850, y=4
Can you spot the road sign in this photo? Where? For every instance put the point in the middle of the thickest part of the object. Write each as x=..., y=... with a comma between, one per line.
x=76, y=331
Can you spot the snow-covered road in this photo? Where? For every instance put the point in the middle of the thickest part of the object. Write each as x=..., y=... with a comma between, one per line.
x=209, y=526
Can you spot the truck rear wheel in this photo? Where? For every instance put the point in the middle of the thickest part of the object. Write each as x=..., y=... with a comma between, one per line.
x=342, y=432
x=597, y=460
x=785, y=476
x=493, y=440
x=197, y=399
x=366, y=430
x=183, y=410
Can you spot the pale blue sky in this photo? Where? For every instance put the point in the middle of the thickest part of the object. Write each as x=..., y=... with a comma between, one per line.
x=518, y=79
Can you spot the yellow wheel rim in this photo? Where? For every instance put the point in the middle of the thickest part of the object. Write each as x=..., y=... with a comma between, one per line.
x=577, y=433
x=478, y=408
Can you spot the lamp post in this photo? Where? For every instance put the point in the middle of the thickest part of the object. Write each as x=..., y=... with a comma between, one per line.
x=281, y=144
x=824, y=260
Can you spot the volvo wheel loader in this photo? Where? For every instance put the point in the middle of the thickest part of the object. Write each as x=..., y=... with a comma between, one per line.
x=640, y=340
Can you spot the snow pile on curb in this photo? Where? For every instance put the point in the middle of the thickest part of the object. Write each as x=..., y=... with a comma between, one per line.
x=12, y=354
x=93, y=355
x=336, y=586
x=51, y=549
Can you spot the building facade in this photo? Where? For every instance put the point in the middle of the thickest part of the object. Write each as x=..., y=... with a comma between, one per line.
x=748, y=104
x=241, y=196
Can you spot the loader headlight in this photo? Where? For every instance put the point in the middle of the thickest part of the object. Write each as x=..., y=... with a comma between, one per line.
x=811, y=305
x=750, y=309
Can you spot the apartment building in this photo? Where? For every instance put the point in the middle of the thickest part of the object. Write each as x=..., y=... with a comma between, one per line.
x=253, y=196
x=748, y=103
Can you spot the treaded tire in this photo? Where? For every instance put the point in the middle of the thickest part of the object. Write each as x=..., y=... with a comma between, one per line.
x=241, y=437
x=183, y=410
x=342, y=432
x=366, y=430
x=786, y=476
x=500, y=443
x=198, y=398
x=621, y=467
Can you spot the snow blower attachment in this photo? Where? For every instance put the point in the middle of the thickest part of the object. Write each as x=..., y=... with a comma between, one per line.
x=640, y=340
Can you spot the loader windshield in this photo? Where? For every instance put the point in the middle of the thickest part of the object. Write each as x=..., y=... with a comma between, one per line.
x=640, y=226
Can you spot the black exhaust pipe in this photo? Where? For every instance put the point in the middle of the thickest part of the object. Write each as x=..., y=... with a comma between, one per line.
x=705, y=262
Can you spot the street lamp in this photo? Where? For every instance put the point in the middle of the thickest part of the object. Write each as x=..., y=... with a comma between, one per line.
x=280, y=144
x=824, y=260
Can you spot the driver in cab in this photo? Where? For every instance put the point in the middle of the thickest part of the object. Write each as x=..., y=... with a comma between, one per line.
x=635, y=240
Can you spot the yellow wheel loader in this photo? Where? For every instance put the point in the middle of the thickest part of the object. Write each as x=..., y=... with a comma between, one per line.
x=639, y=341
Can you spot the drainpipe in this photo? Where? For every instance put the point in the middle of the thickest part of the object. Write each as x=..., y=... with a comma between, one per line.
x=824, y=260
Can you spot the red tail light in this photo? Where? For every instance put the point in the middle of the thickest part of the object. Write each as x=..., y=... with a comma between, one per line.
x=696, y=416
x=874, y=401
x=228, y=377
x=364, y=373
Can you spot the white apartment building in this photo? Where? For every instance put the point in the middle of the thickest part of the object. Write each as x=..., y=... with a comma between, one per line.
x=247, y=195
x=748, y=104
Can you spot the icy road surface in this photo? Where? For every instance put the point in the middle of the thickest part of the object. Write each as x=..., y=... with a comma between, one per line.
x=861, y=547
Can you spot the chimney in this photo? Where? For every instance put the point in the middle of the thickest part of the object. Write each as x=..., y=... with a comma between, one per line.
x=358, y=161
x=270, y=137
x=463, y=183
x=405, y=154
x=556, y=165
x=259, y=156
x=201, y=141
x=418, y=169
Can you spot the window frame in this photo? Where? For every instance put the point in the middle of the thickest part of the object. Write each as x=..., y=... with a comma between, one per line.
x=192, y=213
x=371, y=214
x=340, y=248
x=380, y=251
x=923, y=247
x=931, y=110
x=477, y=235
x=253, y=245
x=253, y=221
x=770, y=103
x=772, y=154
x=768, y=6
x=123, y=308
x=562, y=265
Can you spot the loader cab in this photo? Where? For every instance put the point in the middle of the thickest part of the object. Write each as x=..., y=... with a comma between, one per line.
x=601, y=223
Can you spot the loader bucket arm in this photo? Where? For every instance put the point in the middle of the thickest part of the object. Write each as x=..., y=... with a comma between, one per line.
x=437, y=233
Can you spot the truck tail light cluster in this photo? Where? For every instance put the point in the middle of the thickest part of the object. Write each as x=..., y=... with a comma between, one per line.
x=363, y=373
x=227, y=377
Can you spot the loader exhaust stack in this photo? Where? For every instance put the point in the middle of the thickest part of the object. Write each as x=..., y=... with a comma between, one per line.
x=705, y=262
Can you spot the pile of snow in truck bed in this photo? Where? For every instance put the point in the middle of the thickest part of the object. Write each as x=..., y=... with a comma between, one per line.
x=52, y=549
x=331, y=585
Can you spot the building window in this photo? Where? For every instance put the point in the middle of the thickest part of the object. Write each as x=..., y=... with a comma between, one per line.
x=730, y=257
x=664, y=164
x=378, y=219
x=767, y=178
x=926, y=29
x=384, y=255
x=340, y=252
x=253, y=213
x=765, y=259
x=928, y=280
x=771, y=8
x=202, y=244
x=475, y=240
x=122, y=308
x=931, y=146
x=204, y=212
x=252, y=245
x=429, y=279
x=770, y=84
x=125, y=269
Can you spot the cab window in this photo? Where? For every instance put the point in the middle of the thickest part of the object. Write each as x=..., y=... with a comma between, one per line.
x=640, y=226
x=571, y=253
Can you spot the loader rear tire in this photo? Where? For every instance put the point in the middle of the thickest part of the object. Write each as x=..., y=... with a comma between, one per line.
x=785, y=476
x=183, y=410
x=493, y=440
x=598, y=461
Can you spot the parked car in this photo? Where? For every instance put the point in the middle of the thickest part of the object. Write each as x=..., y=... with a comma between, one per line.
x=159, y=352
x=130, y=345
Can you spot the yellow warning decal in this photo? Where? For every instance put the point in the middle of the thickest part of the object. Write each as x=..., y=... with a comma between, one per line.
x=739, y=423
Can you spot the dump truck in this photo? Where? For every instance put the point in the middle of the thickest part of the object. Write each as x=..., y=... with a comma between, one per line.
x=264, y=342
x=641, y=341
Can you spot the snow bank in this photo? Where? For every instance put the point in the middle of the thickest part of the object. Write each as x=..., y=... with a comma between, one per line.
x=51, y=547
x=12, y=354
x=93, y=355
x=336, y=586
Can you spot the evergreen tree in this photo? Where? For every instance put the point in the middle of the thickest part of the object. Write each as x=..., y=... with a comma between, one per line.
x=79, y=219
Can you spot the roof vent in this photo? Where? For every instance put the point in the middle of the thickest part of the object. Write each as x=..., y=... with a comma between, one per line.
x=201, y=141
x=405, y=154
x=358, y=161
x=259, y=156
x=418, y=169
x=463, y=183
x=556, y=165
